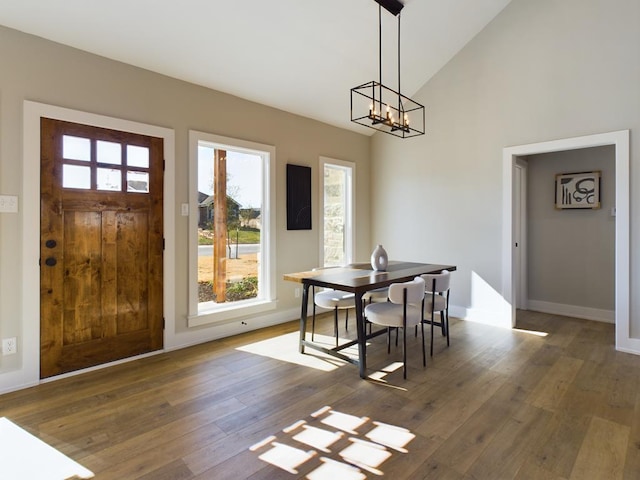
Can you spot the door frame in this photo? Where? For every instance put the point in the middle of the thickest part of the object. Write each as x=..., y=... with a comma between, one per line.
x=620, y=140
x=30, y=373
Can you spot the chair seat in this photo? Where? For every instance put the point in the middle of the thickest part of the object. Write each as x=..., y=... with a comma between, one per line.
x=390, y=314
x=440, y=303
x=334, y=298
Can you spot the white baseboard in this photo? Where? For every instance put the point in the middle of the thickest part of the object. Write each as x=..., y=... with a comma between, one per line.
x=599, y=315
x=214, y=332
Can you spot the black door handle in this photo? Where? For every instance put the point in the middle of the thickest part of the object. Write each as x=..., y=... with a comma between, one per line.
x=50, y=262
x=50, y=244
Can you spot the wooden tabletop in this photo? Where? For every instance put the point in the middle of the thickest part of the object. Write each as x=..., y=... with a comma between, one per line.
x=360, y=277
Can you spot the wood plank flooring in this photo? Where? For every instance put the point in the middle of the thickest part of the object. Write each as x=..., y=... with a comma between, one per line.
x=552, y=400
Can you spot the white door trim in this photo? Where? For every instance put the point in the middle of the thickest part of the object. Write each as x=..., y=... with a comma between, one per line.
x=30, y=372
x=520, y=266
x=620, y=139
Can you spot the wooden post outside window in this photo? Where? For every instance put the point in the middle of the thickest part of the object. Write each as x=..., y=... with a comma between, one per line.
x=220, y=226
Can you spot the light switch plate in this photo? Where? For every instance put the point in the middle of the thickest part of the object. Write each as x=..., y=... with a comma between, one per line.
x=8, y=204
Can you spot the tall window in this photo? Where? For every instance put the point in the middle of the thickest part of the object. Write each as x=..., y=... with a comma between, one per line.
x=337, y=187
x=230, y=227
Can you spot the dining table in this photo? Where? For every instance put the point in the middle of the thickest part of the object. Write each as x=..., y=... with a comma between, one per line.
x=357, y=278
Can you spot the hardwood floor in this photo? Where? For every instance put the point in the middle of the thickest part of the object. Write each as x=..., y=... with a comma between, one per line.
x=553, y=400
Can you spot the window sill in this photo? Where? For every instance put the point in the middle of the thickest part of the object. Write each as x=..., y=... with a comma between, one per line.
x=211, y=313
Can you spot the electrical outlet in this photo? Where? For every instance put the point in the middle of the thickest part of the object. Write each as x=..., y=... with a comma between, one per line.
x=9, y=346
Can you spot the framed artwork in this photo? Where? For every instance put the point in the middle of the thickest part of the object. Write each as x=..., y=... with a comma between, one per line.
x=298, y=197
x=578, y=190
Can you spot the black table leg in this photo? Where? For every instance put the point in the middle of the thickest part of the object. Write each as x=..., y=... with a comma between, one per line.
x=303, y=315
x=362, y=336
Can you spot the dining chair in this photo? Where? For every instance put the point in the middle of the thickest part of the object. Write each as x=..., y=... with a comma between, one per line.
x=403, y=310
x=436, y=300
x=333, y=300
x=374, y=296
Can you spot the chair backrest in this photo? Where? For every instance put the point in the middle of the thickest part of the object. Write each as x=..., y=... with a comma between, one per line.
x=415, y=291
x=437, y=282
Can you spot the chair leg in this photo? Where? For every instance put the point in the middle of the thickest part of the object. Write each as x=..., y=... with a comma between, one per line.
x=424, y=354
x=313, y=321
x=443, y=327
x=346, y=321
x=404, y=352
x=447, y=322
x=388, y=340
x=432, y=321
x=335, y=324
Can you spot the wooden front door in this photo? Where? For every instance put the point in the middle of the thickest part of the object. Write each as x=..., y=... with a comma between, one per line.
x=101, y=246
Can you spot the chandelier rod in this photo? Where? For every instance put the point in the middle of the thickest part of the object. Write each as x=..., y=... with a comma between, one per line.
x=400, y=112
x=379, y=59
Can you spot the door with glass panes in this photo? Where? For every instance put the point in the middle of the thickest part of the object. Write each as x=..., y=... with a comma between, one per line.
x=101, y=246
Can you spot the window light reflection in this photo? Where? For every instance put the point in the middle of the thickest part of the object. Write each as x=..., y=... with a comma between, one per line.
x=366, y=455
x=285, y=457
x=531, y=332
x=319, y=448
x=345, y=422
x=318, y=437
x=285, y=348
x=332, y=470
x=391, y=436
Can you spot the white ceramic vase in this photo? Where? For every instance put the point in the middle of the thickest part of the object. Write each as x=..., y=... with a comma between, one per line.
x=379, y=259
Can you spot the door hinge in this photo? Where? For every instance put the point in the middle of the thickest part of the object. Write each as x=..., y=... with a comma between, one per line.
x=163, y=244
x=163, y=323
x=164, y=164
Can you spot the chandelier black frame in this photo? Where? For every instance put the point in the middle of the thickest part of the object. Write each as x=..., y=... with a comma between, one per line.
x=377, y=106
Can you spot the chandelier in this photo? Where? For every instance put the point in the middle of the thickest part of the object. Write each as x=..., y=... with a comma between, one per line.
x=377, y=106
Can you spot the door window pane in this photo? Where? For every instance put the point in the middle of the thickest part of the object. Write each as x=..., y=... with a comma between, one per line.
x=109, y=152
x=76, y=148
x=74, y=176
x=109, y=179
x=137, y=182
x=137, y=156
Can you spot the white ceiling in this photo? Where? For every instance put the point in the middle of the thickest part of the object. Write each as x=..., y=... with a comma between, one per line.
x=301, y=56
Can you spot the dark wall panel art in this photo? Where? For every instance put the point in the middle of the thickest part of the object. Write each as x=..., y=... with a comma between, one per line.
x=298, y=197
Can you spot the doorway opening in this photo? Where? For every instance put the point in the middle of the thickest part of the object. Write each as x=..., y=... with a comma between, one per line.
x=620, y=140
x=568, y=258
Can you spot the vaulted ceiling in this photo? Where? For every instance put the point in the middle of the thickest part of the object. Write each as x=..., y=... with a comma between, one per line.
x=301, y=56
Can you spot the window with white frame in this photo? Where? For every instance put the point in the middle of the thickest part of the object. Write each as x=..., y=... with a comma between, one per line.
x=231, y=226
x=337, y=184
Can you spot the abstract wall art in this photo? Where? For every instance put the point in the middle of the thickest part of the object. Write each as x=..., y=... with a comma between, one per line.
x=578, y=190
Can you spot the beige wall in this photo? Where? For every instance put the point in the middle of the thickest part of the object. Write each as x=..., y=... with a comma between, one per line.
x=571, y=253
x=541, y=70
x=42, y=71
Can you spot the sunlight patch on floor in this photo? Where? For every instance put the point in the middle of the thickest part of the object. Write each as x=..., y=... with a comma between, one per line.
x=285, y=348
x=343, y=446
x=380, y=376
x=23, y=455
x=531, y=332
